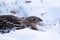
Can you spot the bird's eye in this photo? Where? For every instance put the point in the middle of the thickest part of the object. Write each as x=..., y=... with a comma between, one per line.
x=34, y=19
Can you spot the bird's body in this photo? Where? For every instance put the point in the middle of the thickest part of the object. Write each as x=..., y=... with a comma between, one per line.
x=9, y=22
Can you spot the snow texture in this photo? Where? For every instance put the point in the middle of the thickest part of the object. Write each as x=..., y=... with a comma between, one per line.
x=47, y=10
x=28, y=34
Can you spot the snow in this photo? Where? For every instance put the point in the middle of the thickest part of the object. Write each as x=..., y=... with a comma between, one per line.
x=28, y=34
x=47, y=10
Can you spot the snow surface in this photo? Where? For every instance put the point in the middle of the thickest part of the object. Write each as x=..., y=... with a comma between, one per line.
x=47, y=10
x=28, y=34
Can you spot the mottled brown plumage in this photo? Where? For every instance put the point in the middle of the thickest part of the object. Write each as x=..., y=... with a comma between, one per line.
x=10, y=22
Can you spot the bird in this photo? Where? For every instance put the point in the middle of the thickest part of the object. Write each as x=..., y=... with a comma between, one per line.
x=10, y=22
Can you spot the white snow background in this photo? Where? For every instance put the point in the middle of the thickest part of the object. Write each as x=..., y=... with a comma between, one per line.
x=47, y=10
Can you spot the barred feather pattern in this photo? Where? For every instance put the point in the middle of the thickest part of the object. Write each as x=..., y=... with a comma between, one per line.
x=10, y=22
